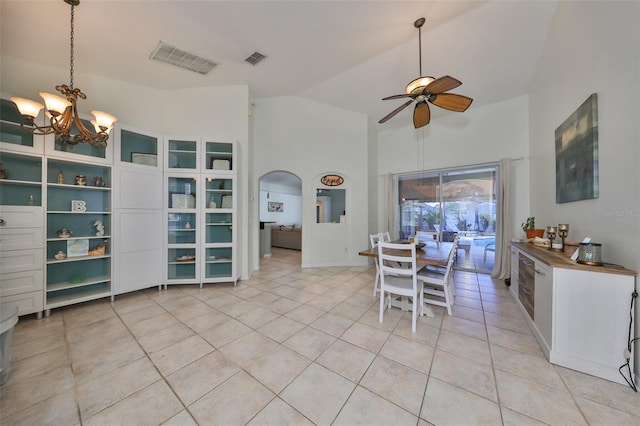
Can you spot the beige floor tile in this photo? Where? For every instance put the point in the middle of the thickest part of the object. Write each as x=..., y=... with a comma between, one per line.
x=234, y=402
x=153, y=342
x=598, y=414
x=318, y=394
x=349, y=310
x=332, y=324
x=468, y=302
x=367, y=408
x=366, y=337
x=465, y=327
x=309, y=342
x=545, y=403
x=150, y=310
x=198, y=378
x=205, y=321
x=225, y=333
x=18, y=395
x=38, y=345
x=602, y=391
x=425, y=333
x=445, y=404
x=111, y=358
x=410, y=353
x=277, y=412
x=183, y=418
x=184, y=352
x=305, y=314
x=160, y=404
x=465, y=373
x=60, y=409
x=39, y=364
x=348, y=360
x=257, y=317
x=87, y=313
x=509, y=321
x=390, y=319
x=396, y=382
x=248, y=348
x=192, y=310
x=29, y=327
x=471, y=314
x=465, y=346
x=277, y=368
x=133, y=301
x=95, y=330
x=281, y=329
x=238, y=308
x=510, y=339
x=282, y=305
x=531, y=367
x=513, y=418
x=106, y=390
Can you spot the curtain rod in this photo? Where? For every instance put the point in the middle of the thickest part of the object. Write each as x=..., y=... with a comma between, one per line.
x=467, y=166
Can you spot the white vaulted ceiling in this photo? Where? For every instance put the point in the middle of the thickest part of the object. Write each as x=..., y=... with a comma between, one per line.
x=348, y=54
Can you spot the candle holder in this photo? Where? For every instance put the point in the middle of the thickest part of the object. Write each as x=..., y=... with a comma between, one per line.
x=563, y=231
x=551, y=234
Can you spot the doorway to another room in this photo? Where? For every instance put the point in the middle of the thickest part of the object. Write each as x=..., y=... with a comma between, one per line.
x=280, y=212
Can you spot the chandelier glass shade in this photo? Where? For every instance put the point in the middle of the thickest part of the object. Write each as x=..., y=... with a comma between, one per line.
x=62, y=112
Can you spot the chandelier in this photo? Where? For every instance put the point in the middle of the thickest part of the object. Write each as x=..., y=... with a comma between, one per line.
x=62, y=111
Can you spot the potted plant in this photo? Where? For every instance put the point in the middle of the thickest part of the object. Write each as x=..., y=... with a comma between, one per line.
x=529, y=227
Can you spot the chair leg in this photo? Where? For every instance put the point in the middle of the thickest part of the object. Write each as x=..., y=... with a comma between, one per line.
x=375, y=283
x=414, y=314
x=381, y=305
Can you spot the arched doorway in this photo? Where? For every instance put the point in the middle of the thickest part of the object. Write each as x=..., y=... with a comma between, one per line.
x=280, y=213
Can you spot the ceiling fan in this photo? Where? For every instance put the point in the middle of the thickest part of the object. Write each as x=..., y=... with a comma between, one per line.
x=427, y=88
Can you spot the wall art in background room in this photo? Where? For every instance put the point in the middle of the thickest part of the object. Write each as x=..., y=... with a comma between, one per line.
x=577, y=154
x=273, y=206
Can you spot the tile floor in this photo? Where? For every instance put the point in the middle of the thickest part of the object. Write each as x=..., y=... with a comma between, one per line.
x=296, y=347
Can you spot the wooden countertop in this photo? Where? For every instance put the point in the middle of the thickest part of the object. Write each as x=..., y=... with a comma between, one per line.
x=557, y=259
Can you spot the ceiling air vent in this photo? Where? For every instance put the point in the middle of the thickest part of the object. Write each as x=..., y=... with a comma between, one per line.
x=181, y=58
x=255, y=58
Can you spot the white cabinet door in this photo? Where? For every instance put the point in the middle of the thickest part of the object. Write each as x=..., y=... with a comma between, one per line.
x=544, y=301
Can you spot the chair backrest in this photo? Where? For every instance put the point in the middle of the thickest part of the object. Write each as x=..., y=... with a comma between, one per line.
x=382, y=236
x=428, y=235
x=398, y=260
x=452, y=258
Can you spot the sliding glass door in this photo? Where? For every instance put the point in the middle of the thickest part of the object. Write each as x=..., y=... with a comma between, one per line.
x=457, y=201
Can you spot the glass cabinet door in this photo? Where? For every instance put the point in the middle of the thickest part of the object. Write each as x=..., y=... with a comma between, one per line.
x=181, y=192
x=10, y=130
x=20, y=180
x=181, y=263
x=218, y=157
x=182, y=154
x=182, y=228
x=219, y=193
x=138, y=148
x=218, y=262
x=219, y=228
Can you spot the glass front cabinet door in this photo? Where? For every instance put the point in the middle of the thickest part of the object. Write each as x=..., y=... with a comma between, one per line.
x=182, y=230
x=218, y=264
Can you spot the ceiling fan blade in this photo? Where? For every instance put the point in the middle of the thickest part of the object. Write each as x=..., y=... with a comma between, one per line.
x=404, y=95
x=452, y=102
x=443, y=84
x=421, y=115
x=395, y=111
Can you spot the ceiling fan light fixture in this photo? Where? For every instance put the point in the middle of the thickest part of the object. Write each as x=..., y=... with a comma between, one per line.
x=418, y=85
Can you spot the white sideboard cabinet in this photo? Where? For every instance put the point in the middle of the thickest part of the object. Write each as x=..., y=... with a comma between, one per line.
x=579, y=314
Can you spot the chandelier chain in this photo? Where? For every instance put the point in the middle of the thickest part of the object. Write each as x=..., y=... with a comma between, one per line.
x=71, y=55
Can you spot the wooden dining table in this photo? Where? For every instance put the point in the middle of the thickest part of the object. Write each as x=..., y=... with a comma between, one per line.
x=432, y=253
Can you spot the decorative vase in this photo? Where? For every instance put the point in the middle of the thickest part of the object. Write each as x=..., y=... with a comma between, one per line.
x=532, y=233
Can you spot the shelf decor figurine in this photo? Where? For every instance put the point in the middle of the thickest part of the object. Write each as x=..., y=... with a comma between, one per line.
x=99, y=228
x=64, y=233
x=81, y=180
x=98, y=181
x=60, y=177
x=3, y=172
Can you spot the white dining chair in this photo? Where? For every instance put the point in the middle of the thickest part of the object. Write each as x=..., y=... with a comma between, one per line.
x=397, y=280
x=374, y=238
x=428, y=236
x=437, y=286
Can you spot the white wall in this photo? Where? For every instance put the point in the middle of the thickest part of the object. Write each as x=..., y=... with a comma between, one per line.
x=309, y=140
x=292, y=208
x=479, y=135
x=593, y=47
